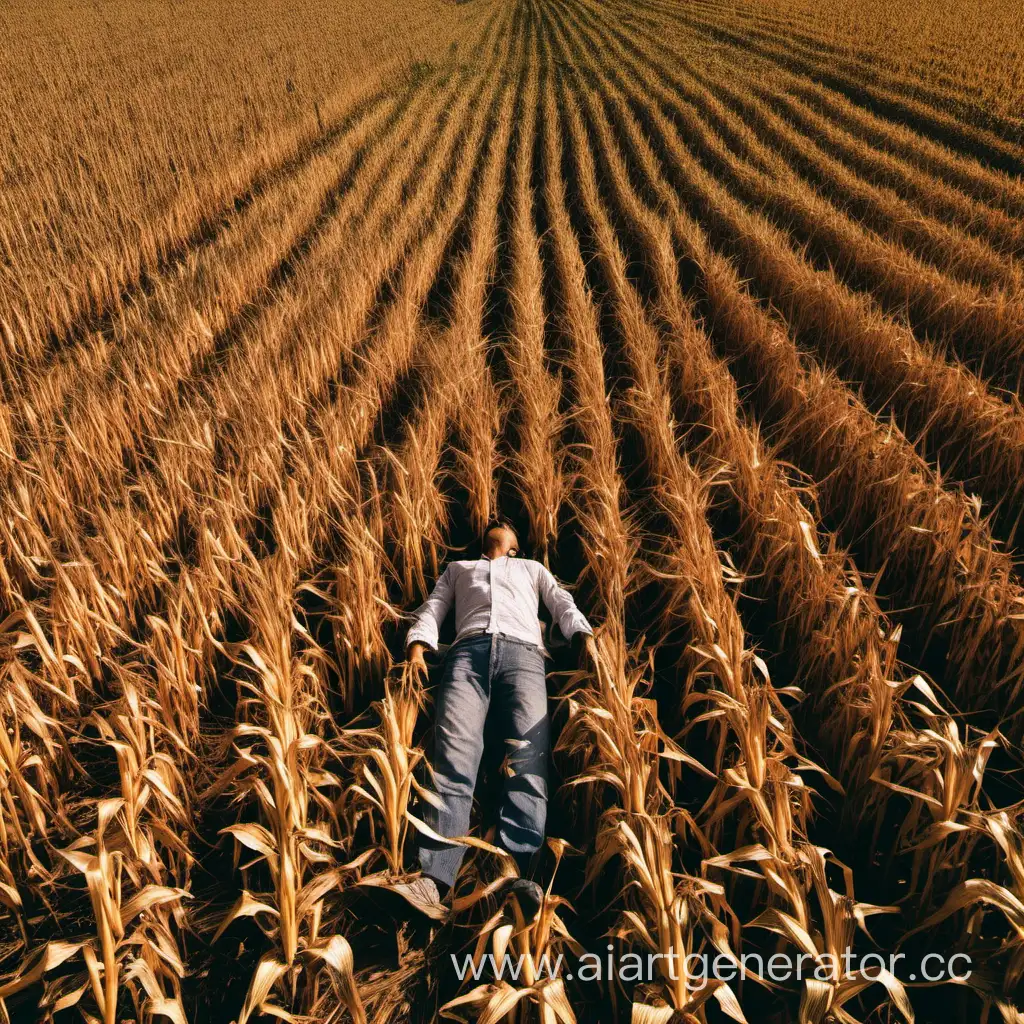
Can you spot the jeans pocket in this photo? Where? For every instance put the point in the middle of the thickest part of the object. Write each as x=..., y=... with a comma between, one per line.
x=528, y=644
x=528, y=659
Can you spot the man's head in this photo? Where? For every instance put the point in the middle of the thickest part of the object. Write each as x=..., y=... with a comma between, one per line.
x=500, y=539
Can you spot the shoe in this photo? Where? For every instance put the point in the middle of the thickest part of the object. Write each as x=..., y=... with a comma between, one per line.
x=420, y=892
x=528, y=893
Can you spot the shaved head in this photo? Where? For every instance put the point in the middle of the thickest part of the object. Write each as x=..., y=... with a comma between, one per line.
x=500, y=539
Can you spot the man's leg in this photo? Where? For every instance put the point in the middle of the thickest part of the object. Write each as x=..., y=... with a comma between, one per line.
x=519, y=689
x=461, y=709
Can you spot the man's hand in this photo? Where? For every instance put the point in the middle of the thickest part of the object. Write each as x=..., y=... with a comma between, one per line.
x=417, y=663
x=584, y=649
x=590, y=649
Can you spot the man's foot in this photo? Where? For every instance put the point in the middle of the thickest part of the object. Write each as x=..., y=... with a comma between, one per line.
x=528, y=893
x=420, y=892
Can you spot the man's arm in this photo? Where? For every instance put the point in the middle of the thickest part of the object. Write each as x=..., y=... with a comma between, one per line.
x=428, y=617
x=563, y=608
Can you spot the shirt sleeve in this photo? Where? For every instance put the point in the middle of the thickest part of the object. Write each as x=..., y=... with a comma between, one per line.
x=563, y=608
x=428, y=617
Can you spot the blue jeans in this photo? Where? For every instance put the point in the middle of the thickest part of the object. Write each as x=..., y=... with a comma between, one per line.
x=477, y=671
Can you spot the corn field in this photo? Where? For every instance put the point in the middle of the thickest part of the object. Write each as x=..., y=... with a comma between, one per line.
x=721, y=304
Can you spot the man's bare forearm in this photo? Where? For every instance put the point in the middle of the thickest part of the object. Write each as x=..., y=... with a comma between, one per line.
x=416, y=662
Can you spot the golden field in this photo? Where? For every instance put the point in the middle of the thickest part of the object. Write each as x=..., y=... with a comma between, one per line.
x=721, y=304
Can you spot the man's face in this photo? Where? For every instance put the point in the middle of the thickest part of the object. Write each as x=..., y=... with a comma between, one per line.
x=500, y=540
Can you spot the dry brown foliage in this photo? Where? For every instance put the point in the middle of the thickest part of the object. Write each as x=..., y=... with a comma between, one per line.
x=722, y=304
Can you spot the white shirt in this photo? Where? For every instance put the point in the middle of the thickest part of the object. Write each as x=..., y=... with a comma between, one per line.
x=498, y=595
